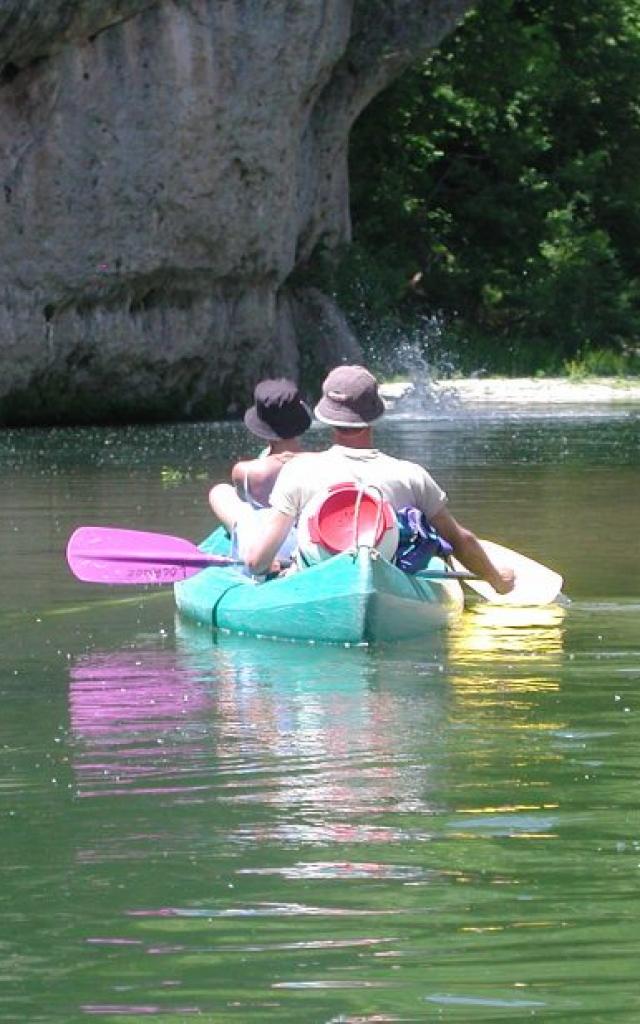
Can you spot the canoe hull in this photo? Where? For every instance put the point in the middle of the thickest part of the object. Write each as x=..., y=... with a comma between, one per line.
x=351, y=598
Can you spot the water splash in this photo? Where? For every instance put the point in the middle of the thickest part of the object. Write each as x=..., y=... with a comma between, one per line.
x=413, y=361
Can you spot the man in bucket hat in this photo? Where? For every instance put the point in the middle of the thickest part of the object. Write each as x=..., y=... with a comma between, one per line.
x=351, y=404
x=278, y=416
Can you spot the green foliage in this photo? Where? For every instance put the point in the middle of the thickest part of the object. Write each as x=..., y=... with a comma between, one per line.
x=497, y=184
x=603, y=363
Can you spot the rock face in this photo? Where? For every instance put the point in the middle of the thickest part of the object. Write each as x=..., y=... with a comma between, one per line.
x=165, y=166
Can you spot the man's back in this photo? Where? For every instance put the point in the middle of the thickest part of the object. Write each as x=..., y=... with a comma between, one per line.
x=401, y=482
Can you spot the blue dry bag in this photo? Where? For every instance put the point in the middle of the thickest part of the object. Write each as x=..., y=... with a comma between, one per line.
x=419, y=542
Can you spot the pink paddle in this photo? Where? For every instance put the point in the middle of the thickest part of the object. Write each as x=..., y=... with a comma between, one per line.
x=105, y=554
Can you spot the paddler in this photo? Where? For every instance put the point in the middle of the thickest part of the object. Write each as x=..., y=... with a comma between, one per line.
x=350, y=405
x=278, y=416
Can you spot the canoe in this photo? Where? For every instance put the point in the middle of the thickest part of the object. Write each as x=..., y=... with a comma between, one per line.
x=352, y=598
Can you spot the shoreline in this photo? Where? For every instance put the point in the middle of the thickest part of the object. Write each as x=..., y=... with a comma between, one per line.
x=523, y=390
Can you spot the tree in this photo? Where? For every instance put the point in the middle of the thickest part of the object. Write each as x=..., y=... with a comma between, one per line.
x=503, y=173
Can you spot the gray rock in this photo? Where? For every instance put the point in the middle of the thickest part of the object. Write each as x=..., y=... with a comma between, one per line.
x=166, y=165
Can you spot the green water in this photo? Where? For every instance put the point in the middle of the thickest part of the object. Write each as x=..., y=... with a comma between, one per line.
x=236, y=831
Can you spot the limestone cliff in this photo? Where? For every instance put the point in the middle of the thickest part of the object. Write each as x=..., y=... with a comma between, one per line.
x=165, y=166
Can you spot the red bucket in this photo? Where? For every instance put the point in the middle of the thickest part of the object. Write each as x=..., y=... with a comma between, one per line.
x=333, y=527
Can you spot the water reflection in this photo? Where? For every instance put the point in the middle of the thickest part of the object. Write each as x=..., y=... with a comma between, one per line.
x=248, y=701
x=496, y=634
x=132, y=712
x=148, y=717
x=295, y=746
x=506, y=661
x=308, y=809
x=321, y=742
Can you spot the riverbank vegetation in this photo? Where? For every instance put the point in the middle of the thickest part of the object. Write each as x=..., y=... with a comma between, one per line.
x=496, y=195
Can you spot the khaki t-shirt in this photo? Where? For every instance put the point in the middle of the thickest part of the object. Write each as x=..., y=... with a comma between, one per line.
x=401, y=482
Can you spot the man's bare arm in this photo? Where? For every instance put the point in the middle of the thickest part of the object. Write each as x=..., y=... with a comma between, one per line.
x=263, y=551
x=467, y=548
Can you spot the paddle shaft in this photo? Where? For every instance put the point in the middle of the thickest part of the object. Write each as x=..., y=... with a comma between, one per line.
x=202, y=561
x=98, y=554
x=444, y=574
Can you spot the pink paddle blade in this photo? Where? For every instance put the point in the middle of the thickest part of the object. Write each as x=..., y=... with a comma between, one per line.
x=105, y=554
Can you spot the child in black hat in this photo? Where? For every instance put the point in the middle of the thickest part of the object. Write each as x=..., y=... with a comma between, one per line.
x=278, y=416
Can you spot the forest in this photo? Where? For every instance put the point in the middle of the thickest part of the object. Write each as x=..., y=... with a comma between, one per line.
x=496, y=194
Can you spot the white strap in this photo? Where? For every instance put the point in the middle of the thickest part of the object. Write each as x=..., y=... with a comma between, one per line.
x=362, y=489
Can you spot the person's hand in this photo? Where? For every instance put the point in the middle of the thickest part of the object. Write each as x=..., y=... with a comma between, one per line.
x=505, y=581
x=274, y=569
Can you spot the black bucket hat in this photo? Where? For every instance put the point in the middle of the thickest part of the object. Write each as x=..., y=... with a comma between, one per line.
x=278, y=412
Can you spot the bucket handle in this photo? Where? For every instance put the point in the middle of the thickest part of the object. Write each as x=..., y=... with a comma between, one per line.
x=362, y=489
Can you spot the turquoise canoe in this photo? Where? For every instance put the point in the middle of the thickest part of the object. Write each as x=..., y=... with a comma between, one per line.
x=352, y=598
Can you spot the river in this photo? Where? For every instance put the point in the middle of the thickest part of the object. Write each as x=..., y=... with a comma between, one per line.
x=236, y=831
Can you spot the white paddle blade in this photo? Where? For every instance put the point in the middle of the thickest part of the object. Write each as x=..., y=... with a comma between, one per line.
x=535, y=583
